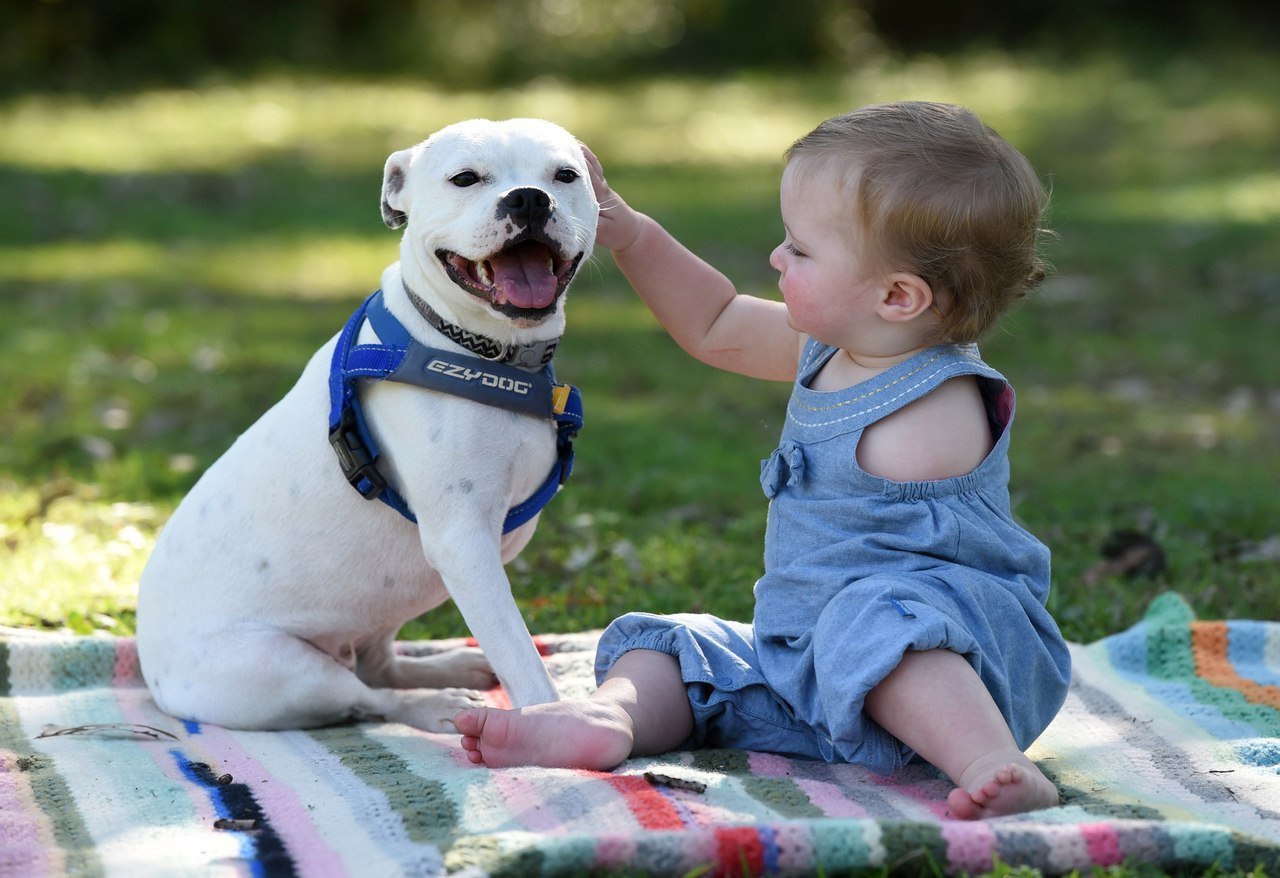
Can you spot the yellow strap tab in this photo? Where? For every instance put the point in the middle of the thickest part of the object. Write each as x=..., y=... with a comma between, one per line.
x=559, y=398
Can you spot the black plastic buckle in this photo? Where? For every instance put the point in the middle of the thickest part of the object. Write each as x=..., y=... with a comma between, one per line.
x=564, y=458
x=354, y=457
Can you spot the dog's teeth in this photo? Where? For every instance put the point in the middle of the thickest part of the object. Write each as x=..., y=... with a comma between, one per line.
x=483, y=274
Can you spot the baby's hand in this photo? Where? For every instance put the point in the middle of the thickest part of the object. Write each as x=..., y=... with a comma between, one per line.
x=619, y=225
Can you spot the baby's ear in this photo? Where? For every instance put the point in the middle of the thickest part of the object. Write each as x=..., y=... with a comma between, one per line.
x=906, y=297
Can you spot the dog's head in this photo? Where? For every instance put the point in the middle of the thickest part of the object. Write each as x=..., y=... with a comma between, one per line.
x=499, y=215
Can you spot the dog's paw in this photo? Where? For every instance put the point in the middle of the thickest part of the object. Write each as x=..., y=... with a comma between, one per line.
x=467, y=666
x=432, y=710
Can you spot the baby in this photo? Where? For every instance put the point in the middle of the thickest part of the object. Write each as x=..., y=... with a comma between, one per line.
x=901, y=613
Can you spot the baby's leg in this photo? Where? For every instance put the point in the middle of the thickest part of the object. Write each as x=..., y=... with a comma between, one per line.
x=934, y=702
x=640, y=708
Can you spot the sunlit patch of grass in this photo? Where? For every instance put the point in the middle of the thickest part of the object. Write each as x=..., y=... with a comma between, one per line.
x=334, y=123
x=744, y=118
x=1250, y=197
x=221, y=127
x=72, y=562
x=319, y=266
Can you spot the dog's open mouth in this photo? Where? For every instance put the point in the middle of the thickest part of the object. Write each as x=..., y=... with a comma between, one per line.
x=523, y=280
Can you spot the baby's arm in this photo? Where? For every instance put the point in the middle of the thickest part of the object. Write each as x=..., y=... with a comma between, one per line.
x=693, y=301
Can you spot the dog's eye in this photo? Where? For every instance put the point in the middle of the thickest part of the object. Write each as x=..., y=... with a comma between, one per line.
x=566, y=175
x=462, y=179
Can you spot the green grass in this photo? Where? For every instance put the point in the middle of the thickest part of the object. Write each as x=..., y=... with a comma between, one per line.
x=169, y=260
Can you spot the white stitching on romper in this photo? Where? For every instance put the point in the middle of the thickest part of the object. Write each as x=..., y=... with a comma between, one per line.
x=952, y=367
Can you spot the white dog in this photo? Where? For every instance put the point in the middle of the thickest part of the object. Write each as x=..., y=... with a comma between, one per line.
x=276, y=590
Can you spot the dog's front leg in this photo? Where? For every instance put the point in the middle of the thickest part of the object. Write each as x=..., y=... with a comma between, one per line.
x=471, y=567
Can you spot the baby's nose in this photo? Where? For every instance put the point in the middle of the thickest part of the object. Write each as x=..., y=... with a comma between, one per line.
x=775, y=258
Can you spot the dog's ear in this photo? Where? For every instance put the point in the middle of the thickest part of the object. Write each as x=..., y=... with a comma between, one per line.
x=395, y=205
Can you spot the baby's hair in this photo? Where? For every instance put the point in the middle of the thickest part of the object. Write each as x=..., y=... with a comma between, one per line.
x=938, y=193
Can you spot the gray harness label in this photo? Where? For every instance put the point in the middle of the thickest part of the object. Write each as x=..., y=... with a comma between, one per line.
x=486, y=379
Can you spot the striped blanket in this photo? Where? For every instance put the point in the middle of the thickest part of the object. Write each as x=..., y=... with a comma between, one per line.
x=1167, y=752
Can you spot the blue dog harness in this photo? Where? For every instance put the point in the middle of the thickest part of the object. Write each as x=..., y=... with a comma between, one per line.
x=398, y=357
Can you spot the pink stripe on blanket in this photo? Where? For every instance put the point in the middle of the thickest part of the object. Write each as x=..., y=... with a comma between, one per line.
x=136, y=707
x=768, y=764
x=615, y=850
x=914, y=792
x=126, y=672
x=826, y=797
x=525, y=802
x=1103, y=844
x=971, y=845
x=28, y=847
x=830, y=799
x=290, y=818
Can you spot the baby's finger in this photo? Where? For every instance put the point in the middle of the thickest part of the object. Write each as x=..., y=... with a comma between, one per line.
x=595, y=169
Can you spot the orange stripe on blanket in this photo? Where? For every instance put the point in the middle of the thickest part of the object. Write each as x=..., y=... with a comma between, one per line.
x=1209, y=644
x=651, y=808
x=497, y=697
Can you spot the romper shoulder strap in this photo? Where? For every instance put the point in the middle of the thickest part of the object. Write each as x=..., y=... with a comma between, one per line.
x=854, y=408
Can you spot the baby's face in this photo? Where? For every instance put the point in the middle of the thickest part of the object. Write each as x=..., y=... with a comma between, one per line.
x=828, y=286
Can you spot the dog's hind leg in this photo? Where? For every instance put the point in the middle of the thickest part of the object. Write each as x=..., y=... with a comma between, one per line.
x=272, y=680
x=378, y=665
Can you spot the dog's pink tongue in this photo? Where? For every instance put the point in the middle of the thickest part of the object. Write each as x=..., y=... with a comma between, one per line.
x=522, y=276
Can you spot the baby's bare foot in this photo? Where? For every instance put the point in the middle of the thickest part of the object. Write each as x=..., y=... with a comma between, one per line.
x=1001, y=783
x=562, y=734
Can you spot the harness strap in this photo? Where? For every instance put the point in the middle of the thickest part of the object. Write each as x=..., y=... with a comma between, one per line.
x=399, y=357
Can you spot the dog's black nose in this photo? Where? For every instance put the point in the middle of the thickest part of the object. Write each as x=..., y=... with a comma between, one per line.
x=525, y=207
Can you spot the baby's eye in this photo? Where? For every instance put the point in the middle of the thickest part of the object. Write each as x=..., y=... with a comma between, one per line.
x=791, y=248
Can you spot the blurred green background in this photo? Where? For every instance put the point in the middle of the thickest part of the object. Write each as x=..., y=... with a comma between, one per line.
x=189, y=207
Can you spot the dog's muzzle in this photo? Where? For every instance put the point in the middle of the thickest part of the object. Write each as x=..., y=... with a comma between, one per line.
x=525, y=278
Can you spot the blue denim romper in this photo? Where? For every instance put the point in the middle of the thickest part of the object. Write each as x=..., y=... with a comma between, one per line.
x=860, y=569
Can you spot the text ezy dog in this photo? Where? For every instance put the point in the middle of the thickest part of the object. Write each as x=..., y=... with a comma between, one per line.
x=487, y=379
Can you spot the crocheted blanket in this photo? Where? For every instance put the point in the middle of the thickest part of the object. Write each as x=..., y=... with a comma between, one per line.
x=1167, y=752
